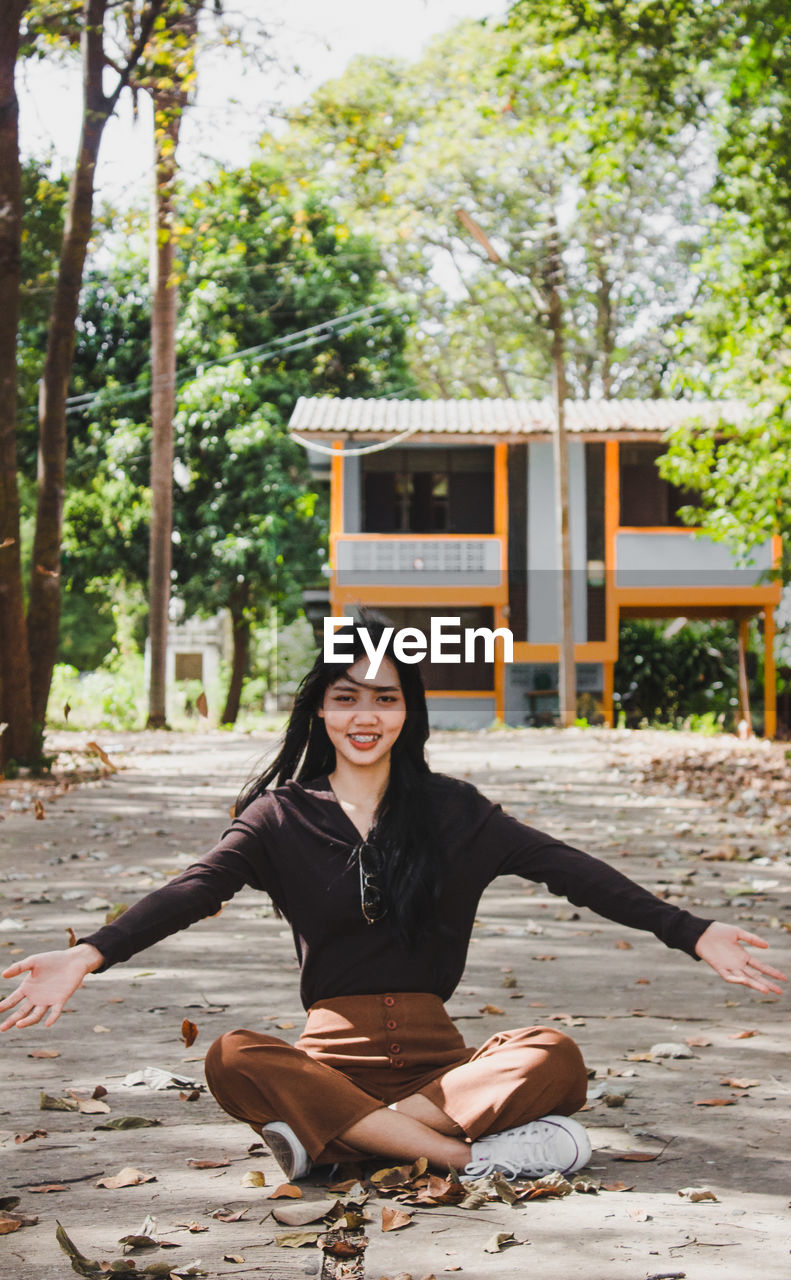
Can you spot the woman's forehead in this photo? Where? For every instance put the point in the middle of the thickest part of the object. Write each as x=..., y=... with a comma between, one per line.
x=386, y=680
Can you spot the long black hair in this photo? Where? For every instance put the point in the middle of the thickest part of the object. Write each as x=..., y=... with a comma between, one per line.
x=404, y=829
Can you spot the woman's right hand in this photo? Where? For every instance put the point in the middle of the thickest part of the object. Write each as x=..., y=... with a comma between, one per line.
x=51, y=978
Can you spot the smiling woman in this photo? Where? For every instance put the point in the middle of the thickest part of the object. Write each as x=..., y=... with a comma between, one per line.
x=378, y=865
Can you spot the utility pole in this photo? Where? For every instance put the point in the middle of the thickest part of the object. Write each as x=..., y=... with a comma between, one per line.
x=549, y=306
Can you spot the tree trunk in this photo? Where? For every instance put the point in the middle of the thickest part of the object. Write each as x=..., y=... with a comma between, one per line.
x=241, y=648
x=16, y=741
x=567, y=672
x=169, y=104
x=44, y=607
x=44, y=604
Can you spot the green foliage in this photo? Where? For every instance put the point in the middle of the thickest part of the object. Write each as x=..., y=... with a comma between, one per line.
x=112, y=697
x=478, y=124
x=687, y=677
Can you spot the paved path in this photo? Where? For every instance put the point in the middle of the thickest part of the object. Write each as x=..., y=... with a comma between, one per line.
x=110, y=839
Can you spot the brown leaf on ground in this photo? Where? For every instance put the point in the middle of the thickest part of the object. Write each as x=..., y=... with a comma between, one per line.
x=231, y=1257
x=207, y=1164
x=343, y=1248
x=638, y=1215
x=491, y=1008
x=92, y=1107
x=696, y=1194
x=19, y=1138
x=639, y=1057
x=698, y=1042
x=48, y=1103
x=394, y=1219
x=715, y=1102
x=501, y=1240
x=99, y=1092
x=399, y=1175
x=190, y=1097
x=39, y=810
x=740, y=1084
x=72, y=936
x=744, y=1035
x=201, y=705
x=568, y=1019
x=102, y=754
x=127, y=1177
x=129, y=1122
x=189, y=1033
x=8, y=1224
x=297, y=1239
x=623, y=945
x=45, y=1187
x=617, y=1186
x=302, y=1212
x=230, y=1215
x=286, y=1191
x=253, y=1178
x=637, y=1155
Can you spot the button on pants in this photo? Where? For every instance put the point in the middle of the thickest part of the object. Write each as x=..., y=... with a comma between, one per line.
x=359, y=1053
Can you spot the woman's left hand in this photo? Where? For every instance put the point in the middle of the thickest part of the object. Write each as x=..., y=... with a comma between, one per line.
x=722, y=947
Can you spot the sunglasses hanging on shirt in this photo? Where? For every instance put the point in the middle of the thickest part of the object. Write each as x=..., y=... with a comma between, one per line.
x=370, y=861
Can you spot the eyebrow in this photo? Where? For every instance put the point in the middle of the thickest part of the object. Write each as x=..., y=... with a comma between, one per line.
x=364, y=684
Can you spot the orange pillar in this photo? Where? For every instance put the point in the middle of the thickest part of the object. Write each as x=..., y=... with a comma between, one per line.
x=770, y=680
x=607, y=698
x=336, y=515
x=501, y=529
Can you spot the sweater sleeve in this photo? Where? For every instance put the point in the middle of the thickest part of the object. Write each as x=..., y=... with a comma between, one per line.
x=585, y=881
x=239, y=859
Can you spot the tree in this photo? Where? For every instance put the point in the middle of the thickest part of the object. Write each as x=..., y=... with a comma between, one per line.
x=16, y=710
x=720, y=74
x=476, y=124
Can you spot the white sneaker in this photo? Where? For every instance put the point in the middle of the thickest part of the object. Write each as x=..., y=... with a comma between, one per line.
x=287, y=1149
x=531, y=1150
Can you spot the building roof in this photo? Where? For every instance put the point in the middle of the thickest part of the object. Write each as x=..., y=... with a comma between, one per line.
x=327, y=416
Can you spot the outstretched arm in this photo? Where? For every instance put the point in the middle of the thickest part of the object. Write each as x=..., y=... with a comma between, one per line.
x=722, y=947
x=50, y=978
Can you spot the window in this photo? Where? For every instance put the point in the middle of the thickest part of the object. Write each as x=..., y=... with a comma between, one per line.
x=449, y=675
x=647, y=499
x=428, y=490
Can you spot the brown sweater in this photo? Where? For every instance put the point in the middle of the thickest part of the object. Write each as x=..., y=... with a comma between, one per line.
x=295, y=842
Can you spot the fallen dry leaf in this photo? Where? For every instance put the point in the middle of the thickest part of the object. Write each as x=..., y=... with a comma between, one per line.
x=299, y=1214
x=103, y=756
x=399, y=1175
x=190, y=1097
x=698, y=1042
x=19, y=1138
x=501, y=1240
x=230, y=1215
x=127, y=1177
x=201, y=705
x=45, y=1188
x=696, y=1194
x=297, y=1239
x=100, y=1030
x=18, y=1218
x=231, y=1257
x=129, y=1122
x=39, y=810
x=623, y=945
x=715, y=1102
x=394, y=1219
x=287, y=1191
x=47, y=1103
x=207, y=1164
x=638, y=1215
x=491, y=1008
x=744, y=1035
x=285, y=1026
x=637, y=1155
x=342, y=1248
x=617, y=1186
x=740, y=1084
x=253, y=1178
x=189, y=1033
x=8, y=1224
x=72, y=936
x=92, y=1107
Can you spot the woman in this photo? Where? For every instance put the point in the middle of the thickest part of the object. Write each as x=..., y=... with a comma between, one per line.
x=378, y=864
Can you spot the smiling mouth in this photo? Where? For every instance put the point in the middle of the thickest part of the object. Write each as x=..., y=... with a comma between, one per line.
x=364, y=739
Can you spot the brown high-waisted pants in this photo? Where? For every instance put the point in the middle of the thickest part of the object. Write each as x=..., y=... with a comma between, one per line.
x=359, y=1053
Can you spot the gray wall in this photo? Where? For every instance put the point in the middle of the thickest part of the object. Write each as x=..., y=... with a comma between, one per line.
x=683, y=560
x=543, y=559
x=352, y=494
x=460, y=713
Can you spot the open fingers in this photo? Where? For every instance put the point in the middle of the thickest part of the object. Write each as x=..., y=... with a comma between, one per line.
x=752, y=939
x=20, y=966
x=14, y=998
x=16, y=1016
x=35, y=1015
x=767, y=969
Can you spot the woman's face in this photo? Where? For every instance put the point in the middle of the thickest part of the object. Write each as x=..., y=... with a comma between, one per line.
x=364, y=717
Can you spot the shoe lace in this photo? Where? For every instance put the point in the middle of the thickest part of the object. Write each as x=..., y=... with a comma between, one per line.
x=511, y=1154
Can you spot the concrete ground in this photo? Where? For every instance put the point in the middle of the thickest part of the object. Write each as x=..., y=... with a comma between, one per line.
x=705, y=822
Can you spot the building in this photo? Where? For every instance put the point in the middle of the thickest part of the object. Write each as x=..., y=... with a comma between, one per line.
x=448, y=507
